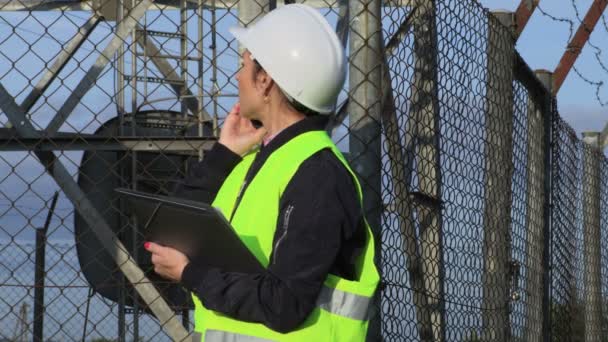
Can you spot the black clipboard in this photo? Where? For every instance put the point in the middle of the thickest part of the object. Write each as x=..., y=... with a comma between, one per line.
x=197, y=229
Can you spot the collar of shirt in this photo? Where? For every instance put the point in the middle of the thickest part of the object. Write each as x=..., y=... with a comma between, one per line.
x=313, y=123
x=268, y=139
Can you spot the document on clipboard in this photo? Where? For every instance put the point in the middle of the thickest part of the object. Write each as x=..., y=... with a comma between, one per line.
x=197, y=229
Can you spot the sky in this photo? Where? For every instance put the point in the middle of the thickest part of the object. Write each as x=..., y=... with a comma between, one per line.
x=542, y=45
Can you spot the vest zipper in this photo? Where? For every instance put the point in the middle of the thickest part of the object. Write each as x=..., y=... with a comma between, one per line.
x=248, y=177
x=238, y=199
x=285, y=226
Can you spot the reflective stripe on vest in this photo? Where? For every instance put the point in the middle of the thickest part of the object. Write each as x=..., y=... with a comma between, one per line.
x=344, y=304
x=227, y=336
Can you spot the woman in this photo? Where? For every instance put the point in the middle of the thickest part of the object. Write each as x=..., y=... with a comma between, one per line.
x=293, y=201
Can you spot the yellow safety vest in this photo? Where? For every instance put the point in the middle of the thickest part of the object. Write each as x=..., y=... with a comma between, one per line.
x=342, y=306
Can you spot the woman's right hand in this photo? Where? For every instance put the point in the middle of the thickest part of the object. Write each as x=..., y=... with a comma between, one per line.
x=238, y=133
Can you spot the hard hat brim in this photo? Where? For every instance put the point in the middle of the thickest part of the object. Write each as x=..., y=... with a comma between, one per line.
x=240, y=33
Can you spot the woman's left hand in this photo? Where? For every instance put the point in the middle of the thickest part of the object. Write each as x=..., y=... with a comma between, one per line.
x=168, y=262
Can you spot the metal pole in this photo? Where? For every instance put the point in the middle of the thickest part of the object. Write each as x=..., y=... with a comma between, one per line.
x=40, y=273
x=123, y=29
x=548, y=107
x=498, y=176
x=577, y=43
x=168, y=72
x=366, y=57
x=134, y=97
x=183, y=63
x=215, y=89
x=535, y=218
x=120, y=104
x=39, y=285
x=592, y=238
x=523, y=13
x=401, y=167
x=424, y=128
x=199, y=63
x=66, y=54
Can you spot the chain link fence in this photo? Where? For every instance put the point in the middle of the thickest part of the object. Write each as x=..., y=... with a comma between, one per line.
x=491, y=213
x=578, y=305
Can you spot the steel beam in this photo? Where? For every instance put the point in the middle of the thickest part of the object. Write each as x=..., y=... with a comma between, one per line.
x=95, y=220
x=523, y=13
x=577, y=43
x=124, y=29
x=60, y=62
x=169, y=73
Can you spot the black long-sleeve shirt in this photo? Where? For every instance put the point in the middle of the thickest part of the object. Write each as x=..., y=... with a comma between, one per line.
x=319, y=231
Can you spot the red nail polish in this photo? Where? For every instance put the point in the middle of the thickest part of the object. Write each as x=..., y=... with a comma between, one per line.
x=146, y=245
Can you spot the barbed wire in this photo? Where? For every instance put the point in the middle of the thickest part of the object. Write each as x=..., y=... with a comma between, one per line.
x=597, y=85
x=598, y=53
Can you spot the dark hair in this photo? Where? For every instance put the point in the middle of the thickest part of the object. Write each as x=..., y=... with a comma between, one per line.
x=293, y=103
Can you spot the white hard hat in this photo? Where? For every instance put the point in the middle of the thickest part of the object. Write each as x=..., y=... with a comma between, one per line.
x=301, y=52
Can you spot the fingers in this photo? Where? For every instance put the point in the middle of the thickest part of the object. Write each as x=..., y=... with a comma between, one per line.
x=153, y=248
x=245, y=125
x=159, y=257
x=234, y=111
x=168, y=262
x=260, y=133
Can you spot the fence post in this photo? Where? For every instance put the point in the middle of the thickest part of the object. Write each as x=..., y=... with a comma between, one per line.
x=535, y=198
x=401, y=157
x=592, y=237
x=424, y=129
x=498, y=177
x=40, y=273
x=364, y=119
x=537, y=204
x=548, y=107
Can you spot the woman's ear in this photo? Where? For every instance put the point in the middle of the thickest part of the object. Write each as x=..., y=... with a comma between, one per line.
x=264, y=83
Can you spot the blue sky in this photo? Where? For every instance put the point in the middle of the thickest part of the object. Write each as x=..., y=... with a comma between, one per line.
x=542, y=45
